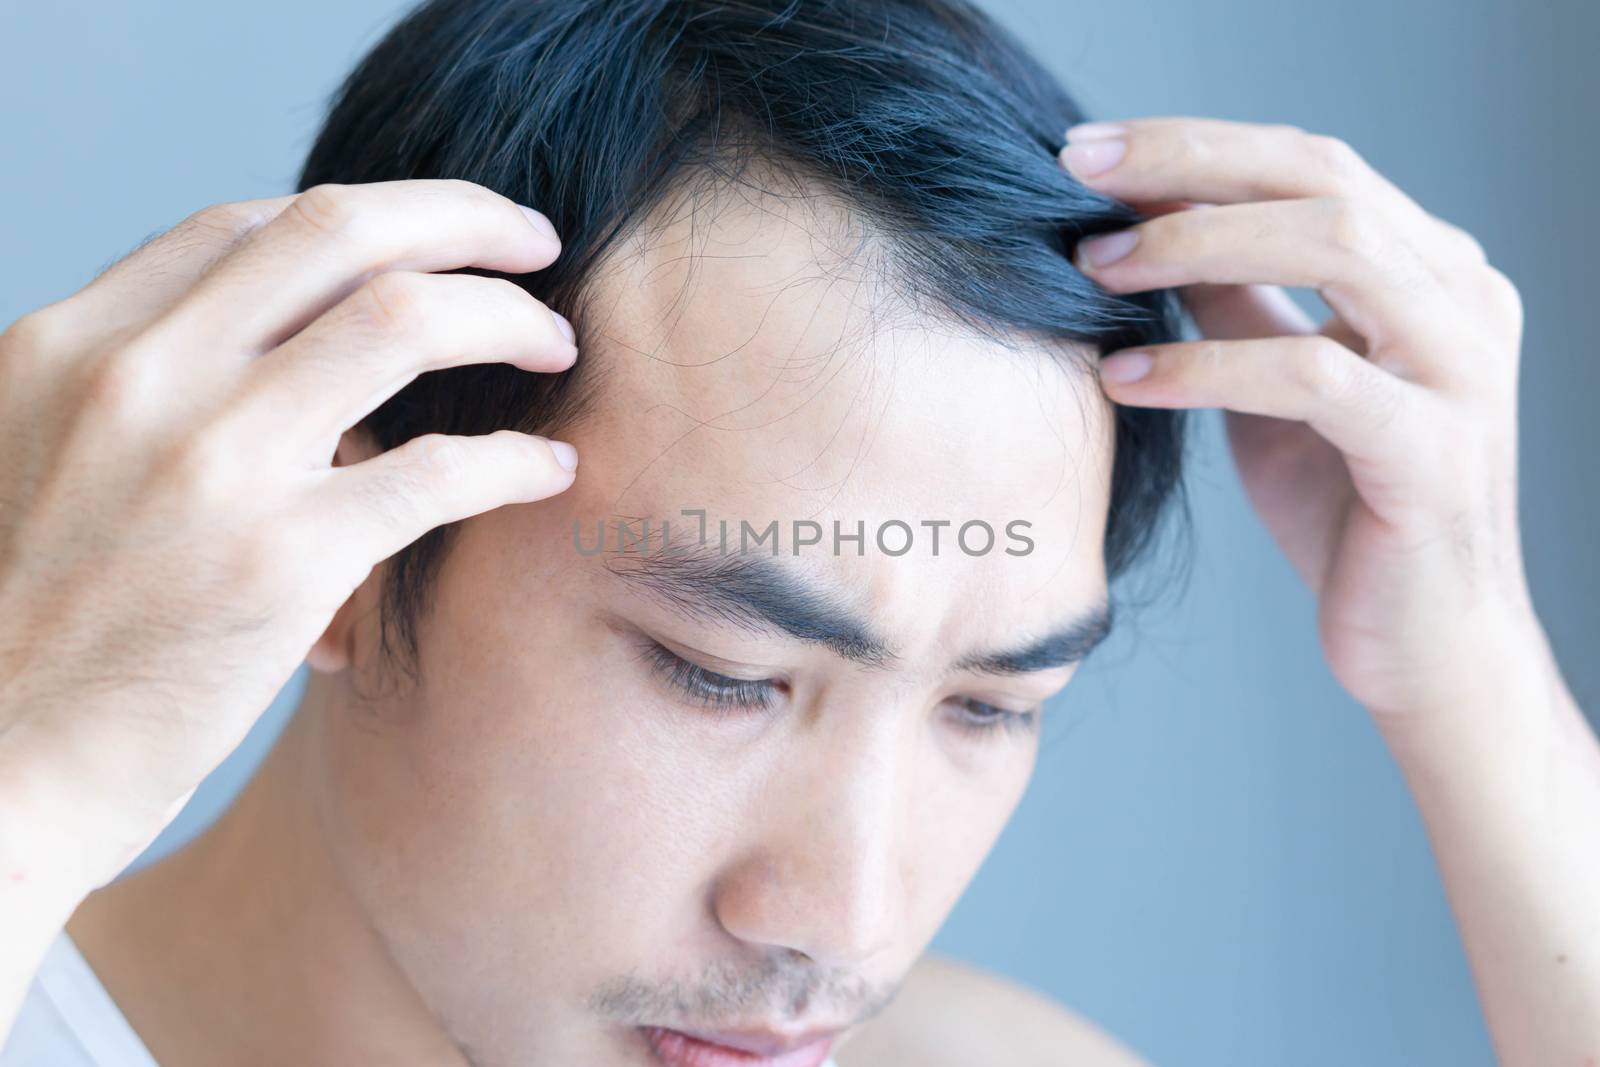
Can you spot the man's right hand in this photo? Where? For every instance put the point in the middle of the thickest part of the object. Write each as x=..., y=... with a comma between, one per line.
x=173, y=535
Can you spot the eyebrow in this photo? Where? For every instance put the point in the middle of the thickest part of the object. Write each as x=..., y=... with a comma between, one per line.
x=757, y=592
x=1066, y=644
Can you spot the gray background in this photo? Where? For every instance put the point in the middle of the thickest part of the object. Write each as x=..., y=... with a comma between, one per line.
x=1217, y=860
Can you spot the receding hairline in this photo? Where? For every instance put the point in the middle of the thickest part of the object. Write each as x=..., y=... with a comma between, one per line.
x=848, y=234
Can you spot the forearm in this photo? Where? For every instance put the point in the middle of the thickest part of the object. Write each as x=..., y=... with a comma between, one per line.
x=1509, y=789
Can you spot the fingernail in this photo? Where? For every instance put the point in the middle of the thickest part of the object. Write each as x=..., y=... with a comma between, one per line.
x=1088, y=158
x=1108, y=247
x=1126, y=366
x=540, y=223
x=1086, y=131
x=565, y=455
x=565, y=327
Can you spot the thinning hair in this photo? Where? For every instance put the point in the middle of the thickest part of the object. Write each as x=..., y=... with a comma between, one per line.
x=924, y=116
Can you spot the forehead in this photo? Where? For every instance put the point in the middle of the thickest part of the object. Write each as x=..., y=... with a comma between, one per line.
x=752, y=359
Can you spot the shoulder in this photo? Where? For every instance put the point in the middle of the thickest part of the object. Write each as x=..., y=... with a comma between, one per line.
x=953, y=1014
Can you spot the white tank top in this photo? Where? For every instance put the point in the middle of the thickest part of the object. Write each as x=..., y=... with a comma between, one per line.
x=69, y=1020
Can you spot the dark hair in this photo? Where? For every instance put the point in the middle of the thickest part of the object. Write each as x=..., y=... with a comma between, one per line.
x=923, y=115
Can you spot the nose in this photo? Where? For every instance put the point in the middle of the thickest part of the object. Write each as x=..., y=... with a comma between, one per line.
x=823, y=871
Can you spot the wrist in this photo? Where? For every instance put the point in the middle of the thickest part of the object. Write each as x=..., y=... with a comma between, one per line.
x=60, y=838
x=40, y=884
x=1502, y=719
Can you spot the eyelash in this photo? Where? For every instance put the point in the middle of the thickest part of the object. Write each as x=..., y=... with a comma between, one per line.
x=725, y=694
x=705, y=687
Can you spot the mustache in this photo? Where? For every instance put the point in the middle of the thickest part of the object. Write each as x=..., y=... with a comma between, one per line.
x=728, y=993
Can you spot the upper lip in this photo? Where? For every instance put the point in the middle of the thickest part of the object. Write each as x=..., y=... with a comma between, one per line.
x=758, y=1042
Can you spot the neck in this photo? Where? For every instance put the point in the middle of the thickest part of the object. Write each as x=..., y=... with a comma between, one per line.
x=245, y=947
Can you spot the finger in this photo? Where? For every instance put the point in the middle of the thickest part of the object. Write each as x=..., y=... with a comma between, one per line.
x=331, y=238
x=380, y=505
x=1216, y=160
x=1226, y=312
x=1362, y=410
x=1340, y=247
x=398, y=325
x=1162, y=159
x=146, y=282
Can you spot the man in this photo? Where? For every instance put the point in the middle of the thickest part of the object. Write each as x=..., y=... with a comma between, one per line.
x=681, y=754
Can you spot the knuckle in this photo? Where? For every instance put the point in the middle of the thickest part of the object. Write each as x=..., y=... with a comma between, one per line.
x=123, y=385
x=259, y=558
x=1336, y=158
x=1188, y=144
x=329, y=210
x=1357, y=232
x=1383, y=397
x=205, y=467
x=525, y=312
x=260, y=563
x=1502, y=293
x=41, y=330
x=387, y=497
x=530, y=452
x=1283, y=133
x=1468, y=247
x=439, y=458
x=509, y=291
x=468, y=190
x=393, y=303
x=1336, y=376
x=1352, y=227
x=479, y=198
x=1326, y=370
x=227, y=222
x=404, y=490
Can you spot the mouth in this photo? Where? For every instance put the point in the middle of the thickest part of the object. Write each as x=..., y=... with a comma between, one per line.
x=747, y=1048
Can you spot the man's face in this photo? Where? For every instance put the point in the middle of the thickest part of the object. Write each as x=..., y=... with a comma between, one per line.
x=575, y=825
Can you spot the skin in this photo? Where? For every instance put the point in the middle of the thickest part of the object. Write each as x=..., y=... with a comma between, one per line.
x=419, y=860
x=546, y=813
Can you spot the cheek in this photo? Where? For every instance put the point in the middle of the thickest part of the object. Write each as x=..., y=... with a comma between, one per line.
x=958, y=818
x=533, y=790
x=520, y=831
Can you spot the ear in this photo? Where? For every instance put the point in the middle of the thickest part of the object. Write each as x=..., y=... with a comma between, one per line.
x=334, y=650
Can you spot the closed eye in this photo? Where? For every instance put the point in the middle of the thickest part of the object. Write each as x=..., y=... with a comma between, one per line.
x=983, y=719
x=707, y=687
x=726, y=694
